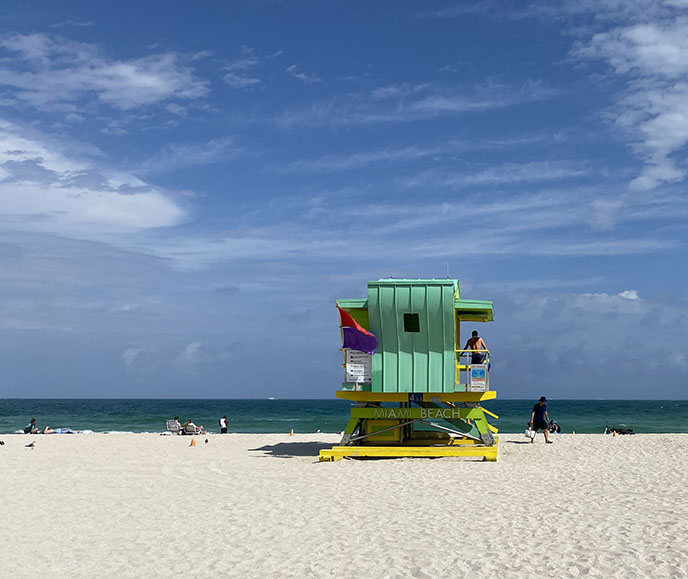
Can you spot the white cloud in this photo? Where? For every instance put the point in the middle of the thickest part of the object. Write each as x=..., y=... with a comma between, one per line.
x=191, y=354
x=653, y=58
x=396, y=90
x=598, y=341
x=240, y=81
x=626, y=302
x=17, y=145
x=130, y=355
x=248, y=59
x=45, y=191
x=82, y=211
x=649, y=49
x=629, y=294
x=486, y=97
x=52, y=73
x=302, y=76
x=236, y=71
x=644, y=42
x=73, y=23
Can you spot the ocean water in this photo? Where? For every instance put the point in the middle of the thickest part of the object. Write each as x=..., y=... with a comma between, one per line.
x=306, y=416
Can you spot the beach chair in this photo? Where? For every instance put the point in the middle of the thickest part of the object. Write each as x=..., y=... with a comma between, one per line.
x=174, y=427
x=191, y=429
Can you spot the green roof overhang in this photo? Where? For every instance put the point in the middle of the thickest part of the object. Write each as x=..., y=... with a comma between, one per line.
x=353, y=304
x=474, y=310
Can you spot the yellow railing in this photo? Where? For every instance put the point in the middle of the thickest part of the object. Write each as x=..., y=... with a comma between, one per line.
x=467, y=364
x=469, y=353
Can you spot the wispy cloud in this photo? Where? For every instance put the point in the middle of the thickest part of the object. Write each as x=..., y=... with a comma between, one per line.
x=345, y=162
x=395, y=91
x=603, y=11
x=52, y=73
x=482, y=8
x=180, y=156
x=72, y=23
x=191, y=354
x=644, y=43
x=302, y=76
x=533, y=172
x=243, y=71
x=553, y=223
x=415, y=105
x=653, y=58
x=240, y=81
x=411, y=153
x=236, y=71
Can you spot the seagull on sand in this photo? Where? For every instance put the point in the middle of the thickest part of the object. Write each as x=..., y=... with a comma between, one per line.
x=31, y=445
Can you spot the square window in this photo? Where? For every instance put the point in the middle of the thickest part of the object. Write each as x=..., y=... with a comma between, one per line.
x=411, y=323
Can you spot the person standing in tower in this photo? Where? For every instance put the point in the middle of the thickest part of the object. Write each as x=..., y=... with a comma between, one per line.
x=476, y=343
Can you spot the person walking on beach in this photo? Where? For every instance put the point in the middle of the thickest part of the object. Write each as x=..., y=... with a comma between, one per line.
x=539, y=419
x=476, y=343
x=223, y=425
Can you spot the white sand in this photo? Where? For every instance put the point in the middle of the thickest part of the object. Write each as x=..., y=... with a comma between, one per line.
x=140, y=505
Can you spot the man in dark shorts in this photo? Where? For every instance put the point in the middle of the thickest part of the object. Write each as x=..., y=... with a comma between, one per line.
x=476, y=343
x=539, y=418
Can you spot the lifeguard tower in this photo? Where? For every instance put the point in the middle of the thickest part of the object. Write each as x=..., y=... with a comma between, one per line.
x=419, y=393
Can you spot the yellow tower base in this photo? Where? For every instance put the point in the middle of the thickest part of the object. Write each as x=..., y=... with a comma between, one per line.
x=488, y=453
x=383, y=425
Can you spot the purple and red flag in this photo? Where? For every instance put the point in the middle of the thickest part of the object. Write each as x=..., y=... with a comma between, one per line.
x=356, y=337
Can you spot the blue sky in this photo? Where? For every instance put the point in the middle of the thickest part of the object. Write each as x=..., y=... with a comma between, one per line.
x=186, y=188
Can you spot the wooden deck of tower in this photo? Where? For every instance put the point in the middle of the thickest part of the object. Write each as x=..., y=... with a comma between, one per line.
x=419, y=393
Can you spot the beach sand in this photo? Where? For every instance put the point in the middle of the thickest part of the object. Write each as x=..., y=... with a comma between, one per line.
x=144, y=505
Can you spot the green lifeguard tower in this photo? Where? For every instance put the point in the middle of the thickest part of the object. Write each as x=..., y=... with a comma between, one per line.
x=419, y=393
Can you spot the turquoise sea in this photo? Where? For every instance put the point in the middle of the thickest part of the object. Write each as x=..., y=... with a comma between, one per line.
x=304, y=416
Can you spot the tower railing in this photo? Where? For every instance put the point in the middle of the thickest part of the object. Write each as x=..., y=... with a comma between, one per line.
x=464, y=363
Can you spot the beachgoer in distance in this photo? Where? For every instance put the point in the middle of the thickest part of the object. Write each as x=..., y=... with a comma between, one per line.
x=192, y=427
x=476, y=343
x=177, y=425
x=539, y=418
x=223, y=425
x=31, y=427
x=48, y=430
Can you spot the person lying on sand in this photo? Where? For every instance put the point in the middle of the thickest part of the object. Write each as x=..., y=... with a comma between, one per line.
x=48, y=430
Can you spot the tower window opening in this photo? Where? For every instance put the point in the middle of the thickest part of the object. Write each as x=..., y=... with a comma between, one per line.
x=411, y=323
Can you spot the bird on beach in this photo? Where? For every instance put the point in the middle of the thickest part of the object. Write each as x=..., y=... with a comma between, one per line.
x=32, y=445
x=206, y=441
x=2, y=443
